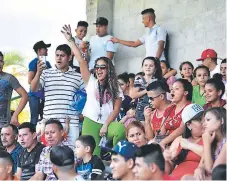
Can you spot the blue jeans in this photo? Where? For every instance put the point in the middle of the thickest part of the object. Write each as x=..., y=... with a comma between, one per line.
x=35, y=108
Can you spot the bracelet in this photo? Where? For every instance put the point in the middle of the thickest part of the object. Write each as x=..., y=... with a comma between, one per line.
x=70, y=40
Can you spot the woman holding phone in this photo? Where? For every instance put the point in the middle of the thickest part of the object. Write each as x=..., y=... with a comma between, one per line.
x=104, y=98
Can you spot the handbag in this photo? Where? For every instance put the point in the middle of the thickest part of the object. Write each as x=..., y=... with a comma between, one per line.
x=158, y=138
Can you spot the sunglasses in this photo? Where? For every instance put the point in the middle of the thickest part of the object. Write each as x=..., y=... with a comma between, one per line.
x=102, y=67
x=152, y=98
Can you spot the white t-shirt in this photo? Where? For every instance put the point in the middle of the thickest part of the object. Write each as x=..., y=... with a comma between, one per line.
x=151, y=39
x=216, y=70
x=99, y=46
x=78, y=42
x=92, y=106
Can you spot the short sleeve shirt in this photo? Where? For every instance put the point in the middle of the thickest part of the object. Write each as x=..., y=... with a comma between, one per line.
x=8, y=83
x=90, y=170
x=45, y=165
x=99, y=46
x=32, y=67
x=174, y=119
x=92, y=108
x=59, y=89
x=15, y=156
x=28, y=160
x=151, y=39
x=197, y=97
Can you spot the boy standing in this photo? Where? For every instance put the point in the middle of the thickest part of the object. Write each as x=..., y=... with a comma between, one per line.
x=91, y=166
x=81, y=32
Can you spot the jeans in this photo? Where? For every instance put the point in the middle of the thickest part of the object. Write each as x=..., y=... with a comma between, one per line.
x=73, y=134
x=36, y=109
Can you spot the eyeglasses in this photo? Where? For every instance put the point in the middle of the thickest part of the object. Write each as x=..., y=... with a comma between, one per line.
x=152, y=98
x=102, y=67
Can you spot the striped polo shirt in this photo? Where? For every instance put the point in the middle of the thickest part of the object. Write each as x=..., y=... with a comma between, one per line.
x=59, y=89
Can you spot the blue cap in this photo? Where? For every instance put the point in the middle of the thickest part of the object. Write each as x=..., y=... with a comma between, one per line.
x=125, y=149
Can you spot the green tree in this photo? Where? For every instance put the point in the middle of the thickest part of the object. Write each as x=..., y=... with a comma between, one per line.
x=14, y=58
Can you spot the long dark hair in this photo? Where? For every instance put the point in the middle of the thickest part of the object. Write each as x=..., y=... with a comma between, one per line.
x=220, y=114
x=158, y=71
x=216, y=81
x=190, y=64
x=186, y=134
x=187, y=87
x=111, y=83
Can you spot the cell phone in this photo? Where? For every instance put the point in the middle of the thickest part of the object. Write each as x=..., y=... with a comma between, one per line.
x=43, y=59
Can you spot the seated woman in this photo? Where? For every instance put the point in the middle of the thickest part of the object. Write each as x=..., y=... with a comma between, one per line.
x=214, y=90
x=201, y=74
x=214, y=142
x=123, y=81
x=172, y=125
x=184, y=154
x=135, y=133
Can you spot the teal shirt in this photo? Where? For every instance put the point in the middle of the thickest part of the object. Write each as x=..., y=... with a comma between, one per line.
x=197, y=97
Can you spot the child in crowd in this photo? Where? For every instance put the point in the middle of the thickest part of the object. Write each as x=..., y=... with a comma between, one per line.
x=40, y=130
x=186, y=71
x=131, y=79
x=123, y=80
x=214, y=90
x=81, y=32
x=201, y=74
x=170, y=79
x=152, y=72
x=90, y=165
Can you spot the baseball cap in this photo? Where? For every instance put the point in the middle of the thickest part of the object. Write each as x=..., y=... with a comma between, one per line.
x=208, y=53
x=39, y=45
x=192, y=111
x=101, y=21
x=62, y=156
x=125, y=149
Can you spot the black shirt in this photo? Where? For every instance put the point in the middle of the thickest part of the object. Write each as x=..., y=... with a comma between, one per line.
x=28, y=160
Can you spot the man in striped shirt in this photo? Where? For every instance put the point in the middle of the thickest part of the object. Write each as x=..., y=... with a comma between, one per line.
x=60, y=84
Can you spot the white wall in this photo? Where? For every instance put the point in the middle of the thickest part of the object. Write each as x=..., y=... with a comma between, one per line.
x=193, y=25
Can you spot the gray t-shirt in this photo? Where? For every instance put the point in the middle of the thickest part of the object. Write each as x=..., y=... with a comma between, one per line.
x=8, y=83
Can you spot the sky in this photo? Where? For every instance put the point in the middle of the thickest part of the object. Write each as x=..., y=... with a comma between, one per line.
x=25, y=22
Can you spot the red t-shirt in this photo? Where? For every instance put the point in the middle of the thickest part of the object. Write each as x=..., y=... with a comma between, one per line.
x=156, y=121
x=174, y=119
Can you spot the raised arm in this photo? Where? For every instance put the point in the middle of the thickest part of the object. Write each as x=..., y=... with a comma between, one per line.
x=127, y=43
x=83, y=64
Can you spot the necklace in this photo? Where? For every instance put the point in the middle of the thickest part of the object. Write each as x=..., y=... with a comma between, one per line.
x=101, y=94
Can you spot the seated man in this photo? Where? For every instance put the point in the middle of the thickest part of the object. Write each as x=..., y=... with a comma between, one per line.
x=62, y=158
x=9, y=135
x=6, y=166
x=29, y=157
x=54, y=134
x=123, y=160
x=150, y=163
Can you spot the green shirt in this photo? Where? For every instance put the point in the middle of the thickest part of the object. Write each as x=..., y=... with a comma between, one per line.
x=197, y=97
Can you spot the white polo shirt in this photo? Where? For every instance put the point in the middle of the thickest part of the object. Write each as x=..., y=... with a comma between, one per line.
x=59, y=89
x=151, y=39
x=99, y=46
